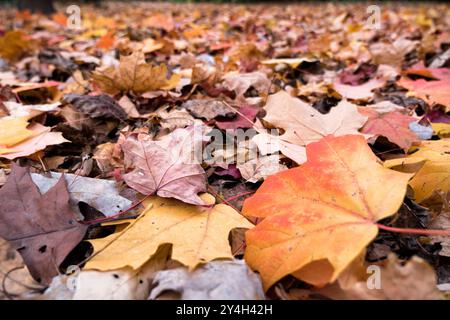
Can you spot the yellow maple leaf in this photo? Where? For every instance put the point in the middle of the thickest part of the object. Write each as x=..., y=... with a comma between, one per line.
x=133, y=74
x=14, y=130
x=198, y=234
x=441, y=129
x=431, y=162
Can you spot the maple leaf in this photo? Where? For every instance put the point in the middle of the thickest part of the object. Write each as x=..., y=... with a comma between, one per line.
x=165, y=167
x=43, y=228
x=399, y=282
x=14, y=45
x=392, y=125
x=208, y=109
x=39, y=137
x=323, y=214
x=433, y=92
x=303, y=124
x=244, y=119
x=14, y=130
x=432, y=163
x=241, y=82
x=96, y=106
x=198, y=234
x=360, y=92
x=132, y=74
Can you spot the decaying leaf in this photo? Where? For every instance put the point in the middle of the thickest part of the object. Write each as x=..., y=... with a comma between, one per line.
x=208, y=109
x=100, y=194
x=397, y=282
x=43, y=228
x=216, y=280
x=96, y=106
x=316, y=224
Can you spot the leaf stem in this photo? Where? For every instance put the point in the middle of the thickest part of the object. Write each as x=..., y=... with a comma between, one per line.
x=423, y=232
x=106, y=219
x=240, y=195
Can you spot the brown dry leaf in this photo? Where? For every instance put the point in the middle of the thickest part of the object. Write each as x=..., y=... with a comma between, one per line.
x=14, y=45
x=129, y=107
x=198, y=234
x=415, y=280
x=43, y=228
x=392, y=54
x=13, y=273
x=207, y=109
x=176, y=118
x=241, y=82
x=133, y=74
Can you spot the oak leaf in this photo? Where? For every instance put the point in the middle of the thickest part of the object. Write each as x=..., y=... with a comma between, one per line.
x=198, y=234
x=43, y=228
x=323, y=214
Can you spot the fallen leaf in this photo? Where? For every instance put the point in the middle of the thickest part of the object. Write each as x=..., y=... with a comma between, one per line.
x=441, y=129
x=392, y=125
x=207, y=109
x=241, y=82
x=102, y=106
x=133, y=74
x=244, y=119
x=14, y=131
x=17, y=110
x=302, y=124
x=432, y=92
x=361, y=92
x=432, y=163
x=165, y=167
x=14, y=45
x=41, y=138
x=198, y=234
x=260, y=168
x=398, y=282
x=216, y=280
x=100, y=194
x=316, y=224
x=43, y=228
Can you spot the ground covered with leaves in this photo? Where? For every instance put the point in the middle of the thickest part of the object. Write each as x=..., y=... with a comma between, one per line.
x=162, y=151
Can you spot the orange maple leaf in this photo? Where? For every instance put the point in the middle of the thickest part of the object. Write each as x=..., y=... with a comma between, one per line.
x=320, y=216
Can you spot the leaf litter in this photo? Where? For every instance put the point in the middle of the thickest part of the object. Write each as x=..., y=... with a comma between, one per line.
x=268, y=152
